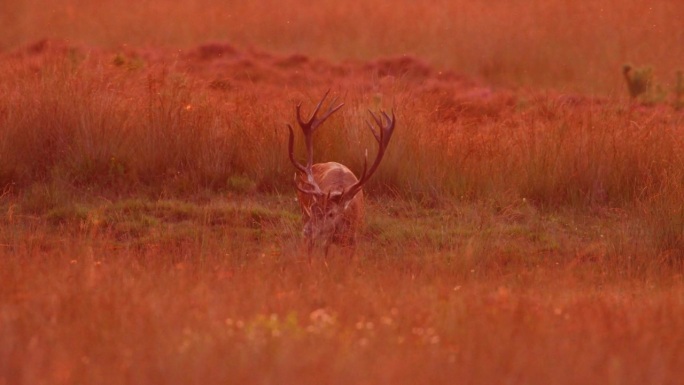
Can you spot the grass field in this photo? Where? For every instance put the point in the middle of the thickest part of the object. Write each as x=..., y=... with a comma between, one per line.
x=571, y=45
x=525, y=226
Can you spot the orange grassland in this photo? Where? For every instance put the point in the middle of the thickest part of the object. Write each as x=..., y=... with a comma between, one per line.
x=525, y=227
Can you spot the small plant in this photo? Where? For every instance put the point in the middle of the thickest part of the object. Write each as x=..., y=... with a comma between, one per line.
x=639, y=80
x=679, y=90
x=240, y=184
x=129, y=63
x=42, y=197
x=641, y=85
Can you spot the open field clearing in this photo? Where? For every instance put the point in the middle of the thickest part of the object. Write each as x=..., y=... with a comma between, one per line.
x=525, y=226
x=177, y=292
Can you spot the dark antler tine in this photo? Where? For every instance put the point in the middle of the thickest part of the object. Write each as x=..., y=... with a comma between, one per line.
x=375, y=133
x=387, y=118
x=382, y=136
x=365, y=166
x=290, y=148
x=389, y=128
x=298, y=112
x=378, y=120
x=375, y=117
x=330, y=111
x=332, y=103
x=318, y=107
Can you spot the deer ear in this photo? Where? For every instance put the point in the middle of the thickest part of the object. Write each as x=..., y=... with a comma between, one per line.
x=347, y=198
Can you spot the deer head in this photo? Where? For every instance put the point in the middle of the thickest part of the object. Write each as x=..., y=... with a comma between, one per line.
x=325, y=219
x=327, y=191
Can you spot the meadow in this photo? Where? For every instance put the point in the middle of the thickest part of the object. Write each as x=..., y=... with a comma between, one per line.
x=525, y=226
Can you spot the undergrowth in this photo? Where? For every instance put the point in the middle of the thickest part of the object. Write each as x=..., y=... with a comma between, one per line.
x=95, y=126
x=79, y=124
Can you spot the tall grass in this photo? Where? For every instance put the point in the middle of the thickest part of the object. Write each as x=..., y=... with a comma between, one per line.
x=105, y=126
x=124, y=122
x=82, y=119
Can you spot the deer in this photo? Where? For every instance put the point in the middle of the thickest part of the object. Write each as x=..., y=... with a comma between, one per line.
x=330, y=196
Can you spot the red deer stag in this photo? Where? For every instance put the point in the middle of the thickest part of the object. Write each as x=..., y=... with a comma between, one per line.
x=329, y=194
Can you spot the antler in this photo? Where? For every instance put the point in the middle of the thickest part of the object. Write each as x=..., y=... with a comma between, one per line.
x=383, y=138
x=308, y=128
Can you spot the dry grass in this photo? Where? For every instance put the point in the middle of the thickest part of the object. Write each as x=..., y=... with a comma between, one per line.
x=215, y=293
x=579, y=45
x=149, y=232
x=131, y=120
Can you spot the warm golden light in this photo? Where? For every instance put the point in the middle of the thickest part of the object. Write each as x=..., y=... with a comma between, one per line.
x=524, y=227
